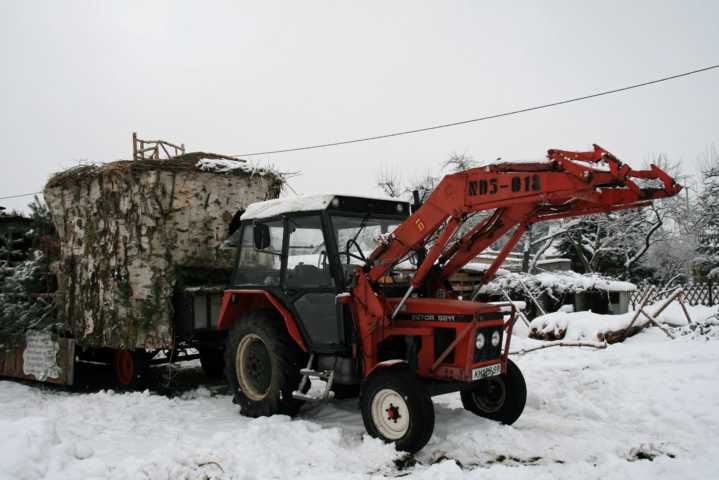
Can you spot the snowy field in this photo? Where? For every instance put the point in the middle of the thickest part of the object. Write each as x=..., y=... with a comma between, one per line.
x=648, y=408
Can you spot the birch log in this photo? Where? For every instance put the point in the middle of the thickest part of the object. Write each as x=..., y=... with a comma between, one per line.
x=132, y=231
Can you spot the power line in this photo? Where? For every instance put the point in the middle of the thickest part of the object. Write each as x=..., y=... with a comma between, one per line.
x=461, y=122
x=19, y=195
x=480, y=119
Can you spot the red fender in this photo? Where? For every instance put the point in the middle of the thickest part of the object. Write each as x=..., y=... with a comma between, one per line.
x=387, y=364
x=235, y=302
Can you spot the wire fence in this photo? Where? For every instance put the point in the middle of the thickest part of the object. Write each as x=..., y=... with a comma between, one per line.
x=694, y=294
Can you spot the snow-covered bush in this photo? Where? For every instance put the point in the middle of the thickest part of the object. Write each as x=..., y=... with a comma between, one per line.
x=26, y=283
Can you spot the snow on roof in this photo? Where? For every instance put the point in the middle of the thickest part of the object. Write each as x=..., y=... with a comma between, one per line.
x=271, y=208
x=558, y=282
x=305, y=203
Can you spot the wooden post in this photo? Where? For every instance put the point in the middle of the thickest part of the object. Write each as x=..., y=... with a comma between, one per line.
x=680, y=298
x=134, y=145
x=642, y=304
x=711, y=297
x=519, y=312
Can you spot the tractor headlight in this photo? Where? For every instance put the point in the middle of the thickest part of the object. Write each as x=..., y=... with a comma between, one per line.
x=479, y=341
x=495, y=338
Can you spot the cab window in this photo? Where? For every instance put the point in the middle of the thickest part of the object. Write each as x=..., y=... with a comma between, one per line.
x=260, y=266
x=307, y=262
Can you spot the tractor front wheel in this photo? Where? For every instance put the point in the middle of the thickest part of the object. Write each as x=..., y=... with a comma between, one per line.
x=499, y=398
x=397, y=408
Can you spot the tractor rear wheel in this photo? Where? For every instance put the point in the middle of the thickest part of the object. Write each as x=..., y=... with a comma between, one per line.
x=499, y=398
x=263, y=365
x=397, y=408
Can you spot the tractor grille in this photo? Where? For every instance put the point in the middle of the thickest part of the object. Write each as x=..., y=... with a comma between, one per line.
x=488, y=352
x=443, y=337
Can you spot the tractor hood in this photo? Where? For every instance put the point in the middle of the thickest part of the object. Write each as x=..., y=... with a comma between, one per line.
x=445, y=310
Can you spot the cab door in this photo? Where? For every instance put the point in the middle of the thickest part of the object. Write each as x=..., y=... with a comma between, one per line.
x=309, y=284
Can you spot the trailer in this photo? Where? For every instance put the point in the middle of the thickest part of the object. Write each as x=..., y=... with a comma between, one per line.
x=139, y=267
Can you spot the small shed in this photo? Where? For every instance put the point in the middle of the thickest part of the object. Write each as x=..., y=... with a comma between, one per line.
x=551, y=290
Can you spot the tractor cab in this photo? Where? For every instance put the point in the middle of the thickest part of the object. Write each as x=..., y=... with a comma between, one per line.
x=303, y=252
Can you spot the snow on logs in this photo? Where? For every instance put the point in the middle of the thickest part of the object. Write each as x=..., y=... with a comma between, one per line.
x=131, y=232
x=593, y=327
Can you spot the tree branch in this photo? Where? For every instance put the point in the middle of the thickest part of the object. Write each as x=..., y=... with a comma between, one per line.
x=560, y=344
x=647, y=241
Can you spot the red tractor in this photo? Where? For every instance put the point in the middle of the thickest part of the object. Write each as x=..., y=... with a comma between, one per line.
x=316, y=291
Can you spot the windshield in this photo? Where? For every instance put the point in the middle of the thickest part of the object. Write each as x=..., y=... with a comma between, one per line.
x=358, y=236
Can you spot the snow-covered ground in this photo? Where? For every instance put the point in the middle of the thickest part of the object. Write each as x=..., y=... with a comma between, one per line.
x=589, y=414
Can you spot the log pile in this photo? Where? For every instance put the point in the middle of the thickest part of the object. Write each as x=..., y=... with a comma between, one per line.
x=131, y=232
x=609, y=328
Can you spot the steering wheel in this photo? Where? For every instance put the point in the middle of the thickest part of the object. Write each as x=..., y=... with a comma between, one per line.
x=359, y=257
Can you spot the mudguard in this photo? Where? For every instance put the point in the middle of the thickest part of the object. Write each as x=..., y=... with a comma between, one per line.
x=236, y=302
x=387, y=364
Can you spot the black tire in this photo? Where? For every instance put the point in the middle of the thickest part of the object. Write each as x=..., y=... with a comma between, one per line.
x=213, y=362
x=499, y=398
x=269, y=362
x=130, y=368
x=398, y=389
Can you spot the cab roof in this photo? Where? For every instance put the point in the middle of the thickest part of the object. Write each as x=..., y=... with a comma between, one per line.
x=311, y=203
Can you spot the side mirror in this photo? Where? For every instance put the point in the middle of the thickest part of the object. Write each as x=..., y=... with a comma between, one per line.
x=234, y=240
x=261, y=236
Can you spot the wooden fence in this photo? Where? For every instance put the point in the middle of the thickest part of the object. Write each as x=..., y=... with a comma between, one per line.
x=154, y=149
x=694, y=294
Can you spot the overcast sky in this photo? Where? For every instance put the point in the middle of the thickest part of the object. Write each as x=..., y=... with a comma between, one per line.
x=235, y=77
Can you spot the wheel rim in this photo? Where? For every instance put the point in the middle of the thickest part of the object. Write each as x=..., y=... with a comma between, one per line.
x=490, y=394
x=390, y=414
x=253, y=367
x=124, y=367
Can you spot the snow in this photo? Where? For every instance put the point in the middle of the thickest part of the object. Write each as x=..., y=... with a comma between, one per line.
x=306, y=203
x=590, y=414
x=271, y=208
x=557, y=282
x=218, y=165
x=589, y=326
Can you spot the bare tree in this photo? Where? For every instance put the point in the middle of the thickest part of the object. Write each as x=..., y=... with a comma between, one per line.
x=390, y=181
x=541, y=245
x=459, y=162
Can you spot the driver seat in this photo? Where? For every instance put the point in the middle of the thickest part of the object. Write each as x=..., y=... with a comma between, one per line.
x=308, y=276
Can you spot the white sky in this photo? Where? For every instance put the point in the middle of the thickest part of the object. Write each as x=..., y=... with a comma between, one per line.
x=235, y=77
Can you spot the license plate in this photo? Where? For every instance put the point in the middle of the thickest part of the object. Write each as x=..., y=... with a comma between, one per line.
x=488, y=371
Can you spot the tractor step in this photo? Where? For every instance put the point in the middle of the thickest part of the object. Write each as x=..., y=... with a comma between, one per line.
x=326, y=375
x=322, y=375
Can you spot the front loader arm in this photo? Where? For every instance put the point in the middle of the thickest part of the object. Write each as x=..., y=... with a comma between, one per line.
x=569, y=184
